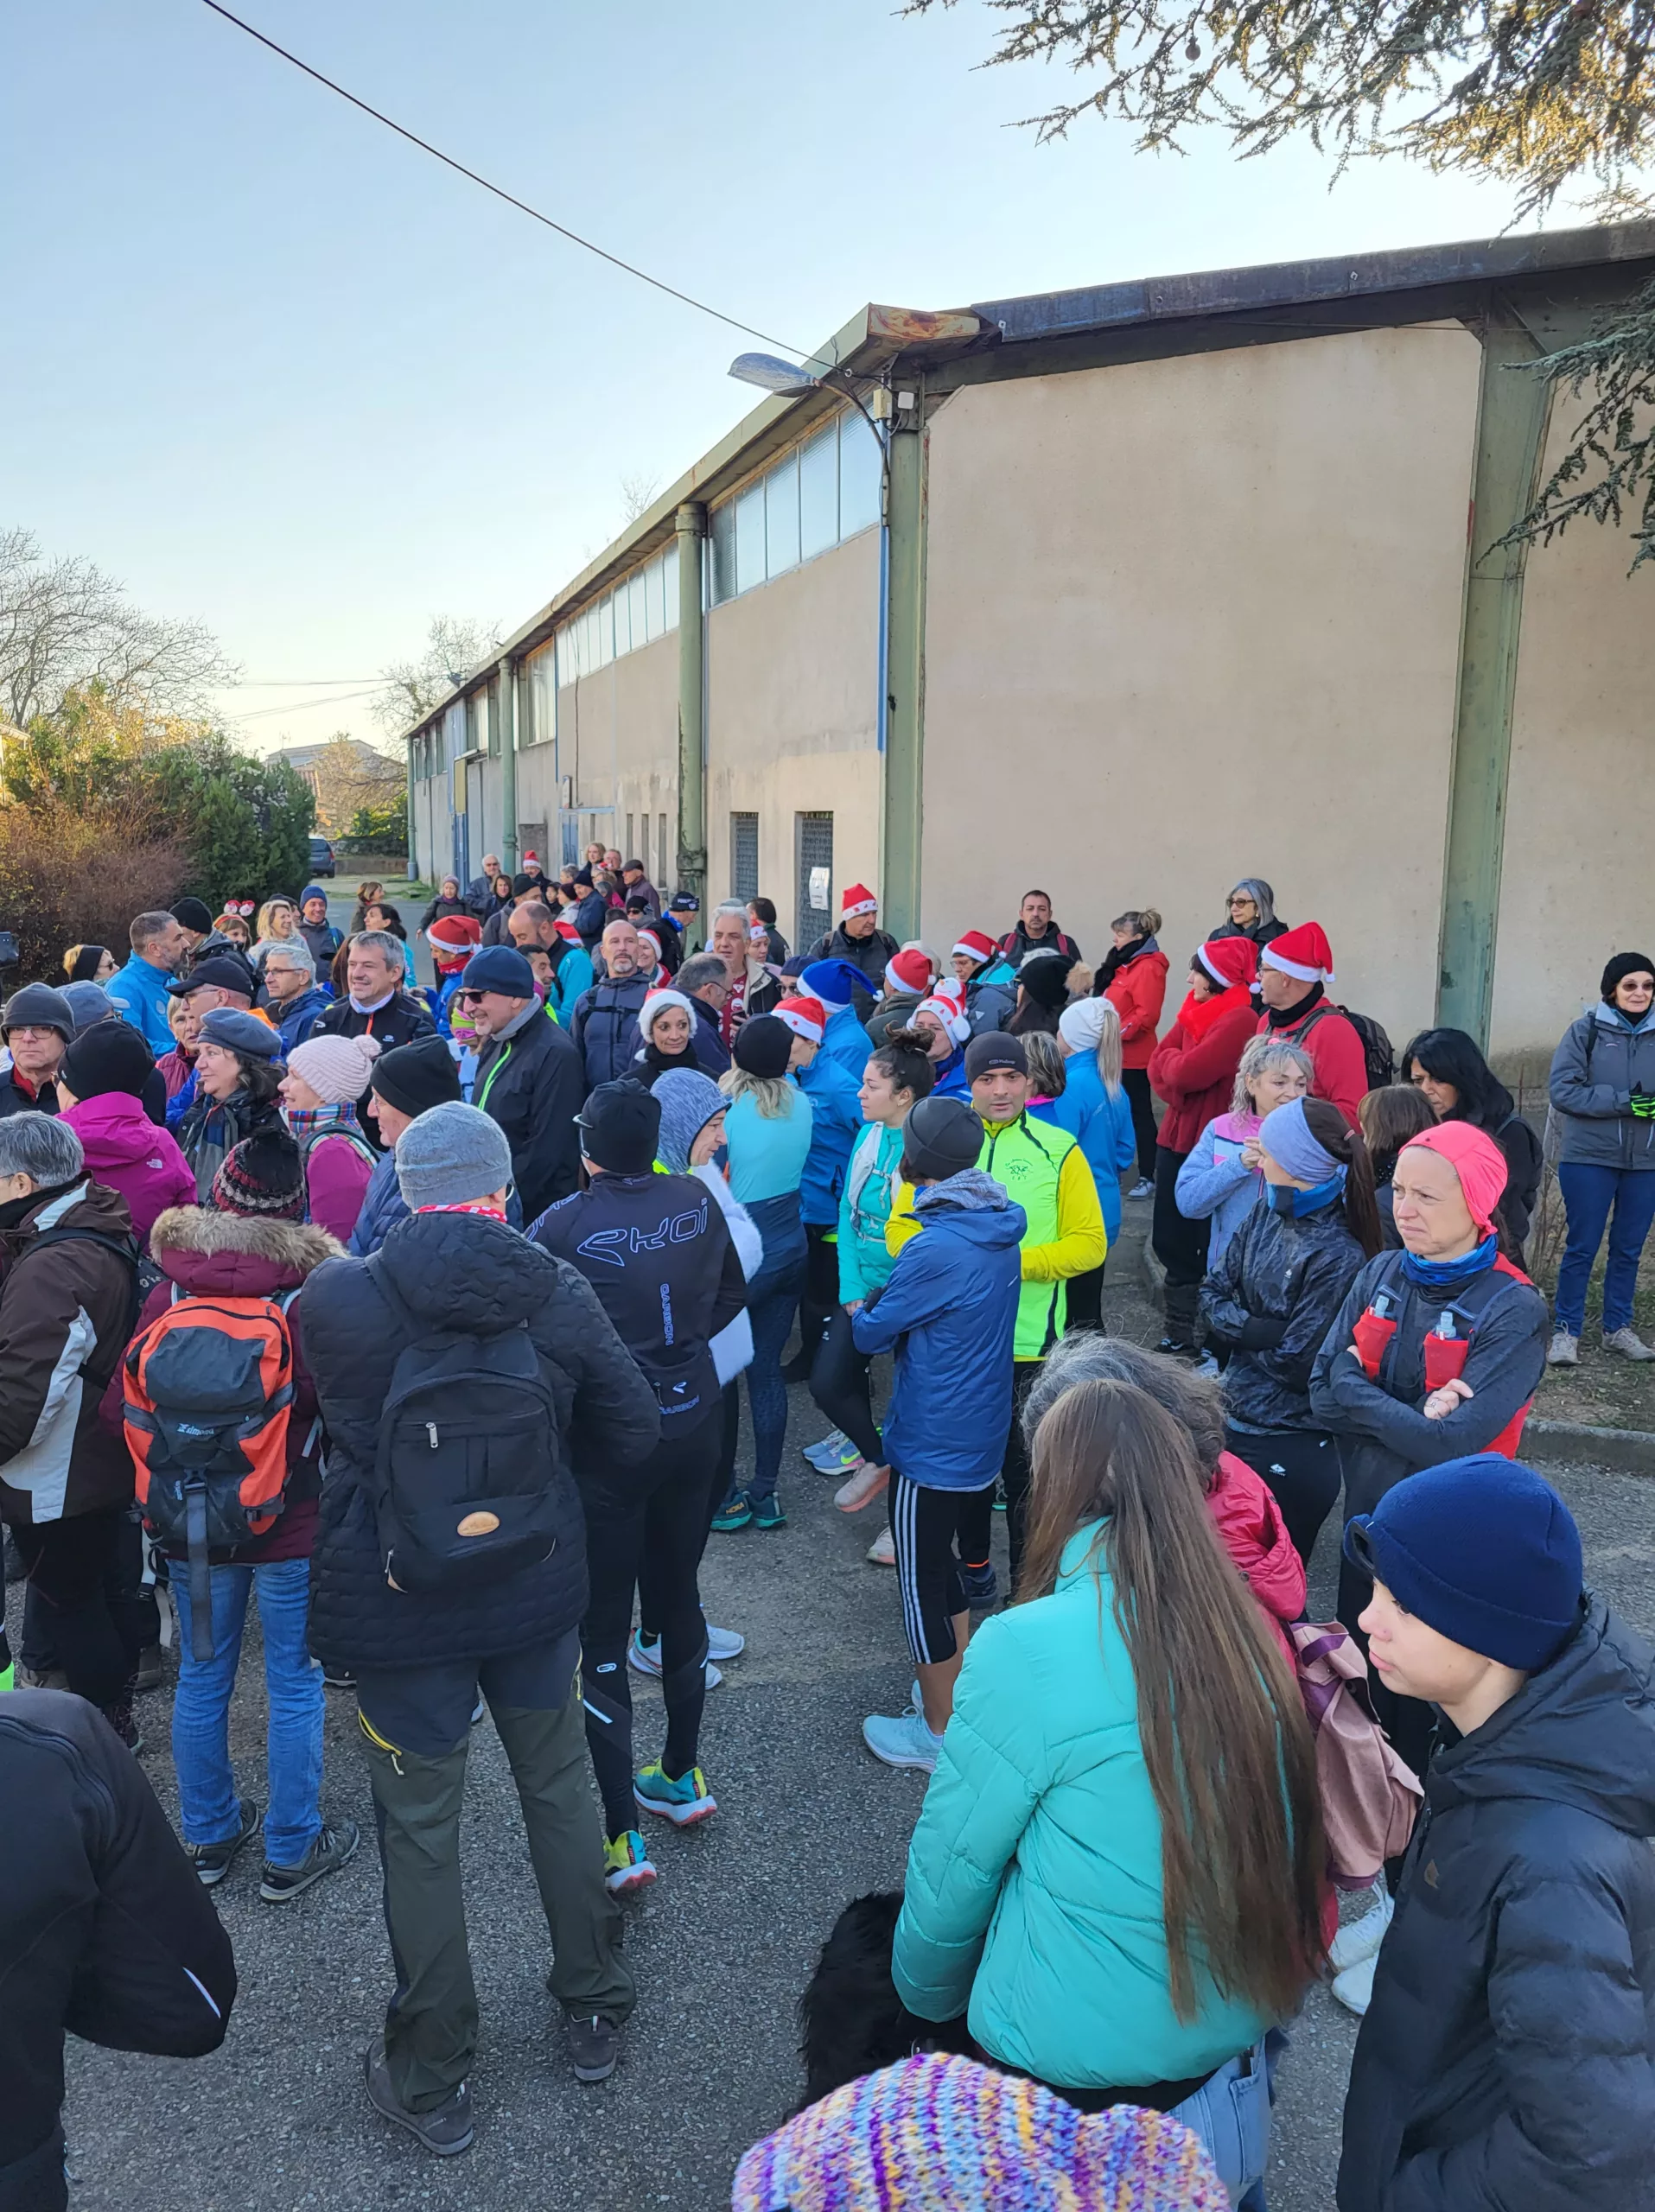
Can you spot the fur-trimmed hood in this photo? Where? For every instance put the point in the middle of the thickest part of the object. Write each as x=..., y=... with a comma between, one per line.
x=237, y=1256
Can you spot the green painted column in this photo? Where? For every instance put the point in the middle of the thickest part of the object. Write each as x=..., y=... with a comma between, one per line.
x=905, y=629
x=690, y=525
x=508, y=696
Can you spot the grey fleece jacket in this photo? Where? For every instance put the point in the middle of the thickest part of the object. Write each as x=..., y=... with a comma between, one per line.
x=1599, y=1061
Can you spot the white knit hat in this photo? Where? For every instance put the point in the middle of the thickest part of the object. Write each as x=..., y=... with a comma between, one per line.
x=336, y=1068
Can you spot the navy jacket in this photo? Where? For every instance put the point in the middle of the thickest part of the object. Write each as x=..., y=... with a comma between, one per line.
x=950, y=1310
x=529, y=1083
x=299, y=1016
x=460, y=1272
x=604, y=1026
x=1504, y=2061
x=383, y=1206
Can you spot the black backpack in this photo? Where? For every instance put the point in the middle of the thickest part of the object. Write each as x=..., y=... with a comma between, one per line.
x=1378, y=1052
x=465, y=1479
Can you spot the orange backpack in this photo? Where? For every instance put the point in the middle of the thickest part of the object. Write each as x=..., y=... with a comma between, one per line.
x=209, y=1391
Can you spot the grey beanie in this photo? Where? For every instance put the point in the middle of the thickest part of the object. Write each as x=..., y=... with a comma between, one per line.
x=90, y=1004
x=37, y=1006
x=688, y=1101
x=450, y=1154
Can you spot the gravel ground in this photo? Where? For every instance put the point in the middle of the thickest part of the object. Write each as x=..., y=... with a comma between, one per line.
x=278, y=2120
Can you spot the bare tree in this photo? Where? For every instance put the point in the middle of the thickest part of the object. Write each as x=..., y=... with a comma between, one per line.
x=638, y=496
x=63, y=622
x=410, y=688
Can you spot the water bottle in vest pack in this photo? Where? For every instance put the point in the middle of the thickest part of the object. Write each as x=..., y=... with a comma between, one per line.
x=209, y=1393
x=466, y=1480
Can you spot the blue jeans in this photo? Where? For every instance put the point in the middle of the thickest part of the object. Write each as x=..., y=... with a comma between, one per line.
x=1588, y=1193
x=1230, y=2112
x=771, y=1312
x=200, y=1713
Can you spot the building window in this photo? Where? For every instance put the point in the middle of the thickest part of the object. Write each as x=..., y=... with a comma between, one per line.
x=816, y=497
x=744, y=856
x=636, y=612
x=813, y=875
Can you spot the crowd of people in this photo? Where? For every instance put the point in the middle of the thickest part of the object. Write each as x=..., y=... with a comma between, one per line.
x=417, y=1316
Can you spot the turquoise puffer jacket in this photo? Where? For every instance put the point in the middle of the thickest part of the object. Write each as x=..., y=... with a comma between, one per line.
x=1033, y=1881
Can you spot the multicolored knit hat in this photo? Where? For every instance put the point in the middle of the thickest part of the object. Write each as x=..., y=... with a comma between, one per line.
x=944, y=2132
x=262, y=1175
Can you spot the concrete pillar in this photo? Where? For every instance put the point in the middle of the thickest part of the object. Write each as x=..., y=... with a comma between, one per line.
x=507, y=698
x=905, y=621
x=690, y=525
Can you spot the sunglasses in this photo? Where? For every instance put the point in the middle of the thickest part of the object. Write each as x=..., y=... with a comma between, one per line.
x=469, y=998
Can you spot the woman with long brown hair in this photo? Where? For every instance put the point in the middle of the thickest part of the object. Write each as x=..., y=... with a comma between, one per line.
x=1119, y=1864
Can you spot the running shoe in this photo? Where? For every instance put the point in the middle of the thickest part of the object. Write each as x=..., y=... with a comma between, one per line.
x=1143, y=1188
x=843, y=1462
x=626, y=1863
x=594, y=2047
x=1358, y=1941
x=211, y=1860
x=1355, y=1987
x=905, y=1741
x=725, y=1642
x=333, y=1847
x=735, y=1513
x=826, y=1455
x=979, y=1585
x=645, y=1658
x=767, y=1512
x=862, y=1488
x=883, y=1551
x=684, y=1802
x=446, y=2128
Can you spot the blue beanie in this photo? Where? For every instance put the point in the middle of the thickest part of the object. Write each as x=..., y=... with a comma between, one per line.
x=499, y=968
x=834, y=982
x=1484, y=1551
x=311, y=891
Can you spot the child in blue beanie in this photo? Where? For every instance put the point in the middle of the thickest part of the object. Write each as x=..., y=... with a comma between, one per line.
x=1504, y=2059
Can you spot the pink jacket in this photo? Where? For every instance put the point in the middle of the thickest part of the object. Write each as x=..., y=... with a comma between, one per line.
x=125, y=1150
x=336, y=1176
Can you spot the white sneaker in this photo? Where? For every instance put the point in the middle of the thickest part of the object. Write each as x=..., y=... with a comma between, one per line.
x=862, y=1488
x=1628, y=1344
x=725, y=1642
x=1143, y=1188
x=1359, y=1940
x=1563, y=1350
x=826, y=1456
x=903, y=1742
x=883, y=1551
x=1354, y=1989
x=645, y=1658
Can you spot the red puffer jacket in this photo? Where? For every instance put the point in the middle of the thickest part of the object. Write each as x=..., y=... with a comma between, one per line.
x=1251, y=1530
x=1137, y=993
x=1196, y=1076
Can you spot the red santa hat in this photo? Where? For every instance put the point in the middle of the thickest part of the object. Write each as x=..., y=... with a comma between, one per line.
x=909, y=973
x=453, y=938
x=1228, y=960
x=806, y=1018
x=1304, y=953
x=649, y=938
x=976, y=944
x=949, y=1017
x=567, y=930
x=858, y=900
x=533, y=857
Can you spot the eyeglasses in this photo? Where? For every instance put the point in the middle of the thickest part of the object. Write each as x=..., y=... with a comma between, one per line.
x=469, y=998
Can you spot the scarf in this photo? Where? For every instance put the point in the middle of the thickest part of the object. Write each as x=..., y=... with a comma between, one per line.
x=467, y=1205
x=379, y=1006
x=1289, y=1017
x=1196, y=1016
x=1448, y=1275
x=304, y=1122
x=1283, y=1198
x=1116, y=958
x=659, y=1063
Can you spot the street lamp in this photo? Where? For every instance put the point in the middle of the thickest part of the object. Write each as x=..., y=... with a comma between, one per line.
x=784, y=380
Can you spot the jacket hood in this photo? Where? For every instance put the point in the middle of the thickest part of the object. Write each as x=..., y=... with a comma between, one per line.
x=976, y=1206
x=85, y=1205
x=236, y=1256
x=1581, y=1732
x=114, y=1130
x=465, y=1271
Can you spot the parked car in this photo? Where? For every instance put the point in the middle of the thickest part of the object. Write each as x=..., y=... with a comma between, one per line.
x=322, y=858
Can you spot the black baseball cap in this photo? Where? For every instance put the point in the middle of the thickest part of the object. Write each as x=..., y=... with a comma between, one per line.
x=994, y=1048
x=222, y=971
x=621, y=1125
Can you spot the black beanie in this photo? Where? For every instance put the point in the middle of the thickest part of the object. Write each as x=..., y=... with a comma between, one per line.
x=764, y=1046
x=620, y=1127
x=192, y=915
x=414, y=1077
x=941, y=1138
x=994, y=1048
x=1624, y=964
x=108, y=1056
x=1046, y=978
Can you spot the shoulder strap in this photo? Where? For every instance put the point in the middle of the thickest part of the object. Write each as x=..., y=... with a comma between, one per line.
x=124, y=1249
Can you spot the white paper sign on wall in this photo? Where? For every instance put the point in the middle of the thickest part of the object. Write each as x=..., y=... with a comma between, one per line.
x=819, y=888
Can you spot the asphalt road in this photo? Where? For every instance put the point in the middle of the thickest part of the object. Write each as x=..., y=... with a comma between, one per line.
x=278, y=2120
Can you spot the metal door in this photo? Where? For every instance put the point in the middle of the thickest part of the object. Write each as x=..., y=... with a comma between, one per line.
x=744, y=856
x=813, y=876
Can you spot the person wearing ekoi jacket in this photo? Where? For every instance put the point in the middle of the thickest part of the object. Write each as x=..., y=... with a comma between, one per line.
x=1603, y=1091
x=1132, y=977
x=1283, y=1276
x=1193, y=1069
x=1435, y=1353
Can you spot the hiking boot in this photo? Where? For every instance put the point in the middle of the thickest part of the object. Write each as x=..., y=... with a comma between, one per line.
x=906, y=1741
x=627, y=1865
x=862, y=1488
x=685, y=1802
x=211, y=1860
x=594, y=2047
x=883, y=1551
x=1564, y=1350
x=1627, y=1343
x=737, y=1512
x=767, y=1512
x=446, y=2128
x=979, y=1585
x=152, y=1669
x=333, y=1847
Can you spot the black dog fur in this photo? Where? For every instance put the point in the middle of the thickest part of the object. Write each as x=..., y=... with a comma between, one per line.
x=851, y=2021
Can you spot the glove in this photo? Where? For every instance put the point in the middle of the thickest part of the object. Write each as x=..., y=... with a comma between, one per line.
x=1643, y=1108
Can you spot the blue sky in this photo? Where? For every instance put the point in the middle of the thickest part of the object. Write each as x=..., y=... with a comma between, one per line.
x=277, y=370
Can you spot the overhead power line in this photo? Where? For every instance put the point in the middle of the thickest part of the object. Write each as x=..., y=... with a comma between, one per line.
x=499, y=191
x=301, y=706
x=294, y=682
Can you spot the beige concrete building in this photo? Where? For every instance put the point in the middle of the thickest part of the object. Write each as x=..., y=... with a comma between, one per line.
x=1126, y=593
